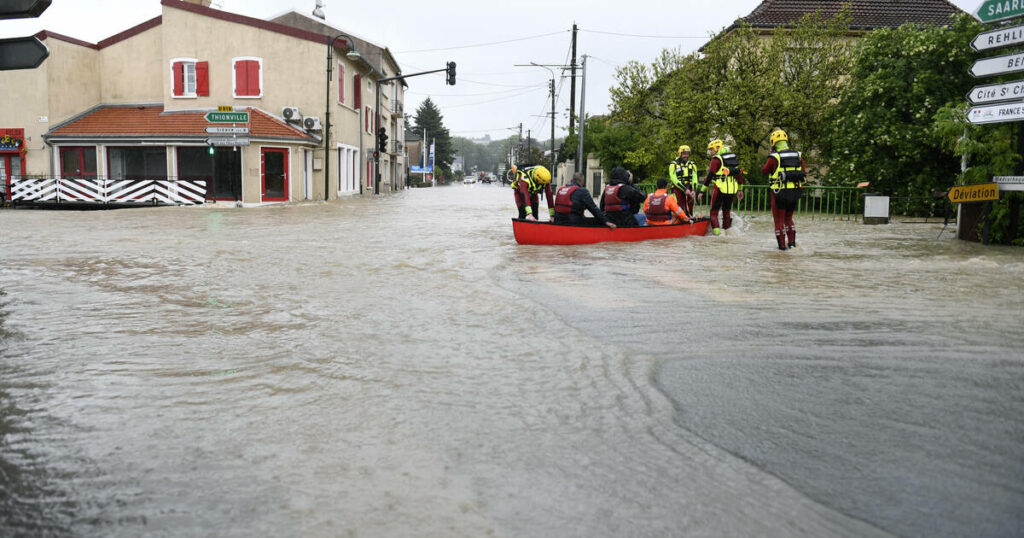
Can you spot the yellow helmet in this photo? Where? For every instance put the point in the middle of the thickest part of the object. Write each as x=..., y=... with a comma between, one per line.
x=683, y=148
x=716, y=145
x=777, y=136
x=542, y=175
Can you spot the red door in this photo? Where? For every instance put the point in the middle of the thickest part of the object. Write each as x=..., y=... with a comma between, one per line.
x=10, y=165
x=274, y=175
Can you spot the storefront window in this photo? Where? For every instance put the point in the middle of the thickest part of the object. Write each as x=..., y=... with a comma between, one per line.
x=222, y=170
x=138, y=163
x=78, y=161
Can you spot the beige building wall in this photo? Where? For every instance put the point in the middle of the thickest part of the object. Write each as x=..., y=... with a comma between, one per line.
x=73, y=73
x=131, y=69
x=26, y=106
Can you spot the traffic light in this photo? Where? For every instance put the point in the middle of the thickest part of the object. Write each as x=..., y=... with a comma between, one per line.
x=382, y=140
x=22, y=52
x=451, y=74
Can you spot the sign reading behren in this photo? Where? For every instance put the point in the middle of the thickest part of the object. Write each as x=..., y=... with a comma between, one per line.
x=992, y=93
x=996, y=113
x=227, y=117
x=997, y=65
x=997, y=10
x=985, y=192
x=1003, y=37
x=1010, y=183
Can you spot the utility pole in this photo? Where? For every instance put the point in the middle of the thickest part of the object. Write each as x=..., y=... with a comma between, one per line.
x=572, y=83
x=581, y=159
x=553, y=159
x=529, y=143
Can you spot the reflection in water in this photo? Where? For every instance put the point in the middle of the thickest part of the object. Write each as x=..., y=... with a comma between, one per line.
x=398, y=365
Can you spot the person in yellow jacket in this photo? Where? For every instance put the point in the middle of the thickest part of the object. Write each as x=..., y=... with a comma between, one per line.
x=726, y=181
x=527, y=184
x=786, y=173
x=682, y=173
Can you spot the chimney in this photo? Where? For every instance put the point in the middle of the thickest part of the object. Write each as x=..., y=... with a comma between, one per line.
x=204, y=3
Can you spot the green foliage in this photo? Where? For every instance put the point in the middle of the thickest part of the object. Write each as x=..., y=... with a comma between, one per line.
x=429, y=116
x=883, y=129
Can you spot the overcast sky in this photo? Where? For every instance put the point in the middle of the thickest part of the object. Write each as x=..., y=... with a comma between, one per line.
x=486, y=40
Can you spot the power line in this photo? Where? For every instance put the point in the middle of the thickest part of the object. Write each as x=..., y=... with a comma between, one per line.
x=499, y=92
x=647, y=36
x=482, y=44
x=493, y=100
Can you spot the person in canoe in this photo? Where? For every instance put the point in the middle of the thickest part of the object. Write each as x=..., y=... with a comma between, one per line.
x=662, y=208
x=621, y=201
x=682, y=174
x=572, y=199
x=527, y=184
x=786, y=173
x=725, y=175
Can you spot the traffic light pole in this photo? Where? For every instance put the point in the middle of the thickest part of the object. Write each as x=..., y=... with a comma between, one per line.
x=376, y=131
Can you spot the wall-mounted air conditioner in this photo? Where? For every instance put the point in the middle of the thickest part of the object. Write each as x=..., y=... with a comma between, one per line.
x=291, y=113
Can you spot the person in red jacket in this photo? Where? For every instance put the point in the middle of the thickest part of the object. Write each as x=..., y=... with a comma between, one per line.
x=527, y=184
x=786, y=172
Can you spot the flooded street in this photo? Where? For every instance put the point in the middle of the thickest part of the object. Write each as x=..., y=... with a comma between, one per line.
x=399, y=366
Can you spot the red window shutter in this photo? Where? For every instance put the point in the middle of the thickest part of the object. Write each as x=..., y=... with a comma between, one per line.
x=357, y=90
x=341, y=83
x=203, y=78
x=178, y=72
x=254, y=77
x=367, y=116
x=241, y=80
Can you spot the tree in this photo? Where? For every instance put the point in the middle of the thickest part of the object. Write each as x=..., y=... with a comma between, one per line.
x=429, y=116
x=883, y=129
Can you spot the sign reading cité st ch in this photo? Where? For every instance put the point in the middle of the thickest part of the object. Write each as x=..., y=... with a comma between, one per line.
x=985, y=192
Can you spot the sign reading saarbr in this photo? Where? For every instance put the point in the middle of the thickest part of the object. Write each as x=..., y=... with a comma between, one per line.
x=227, y=117
x=997, y=10
x=985, y=192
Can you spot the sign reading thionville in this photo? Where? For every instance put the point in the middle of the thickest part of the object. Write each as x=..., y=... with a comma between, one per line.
x=227, y=117
x=997, y=65
x=227, y=130
x=985, y=192
x=1010, y=183
x=997, y=10
x=1003, y=37
x=227, y=141
x=991, y=93
x=996, y=113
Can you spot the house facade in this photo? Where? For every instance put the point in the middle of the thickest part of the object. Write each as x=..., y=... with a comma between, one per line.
x=233, y=104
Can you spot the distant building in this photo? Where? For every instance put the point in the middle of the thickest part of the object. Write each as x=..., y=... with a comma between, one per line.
x=481, y=141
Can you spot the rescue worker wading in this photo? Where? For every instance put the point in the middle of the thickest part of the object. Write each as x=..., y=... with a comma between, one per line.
x=572, y=199
x=527, y=183
x=786, y=174
x=620, y=200
x=726, y=179
x=682, y=173
x=662, y=208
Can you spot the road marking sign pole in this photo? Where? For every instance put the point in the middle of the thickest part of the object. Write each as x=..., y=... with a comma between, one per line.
x=1010, y=183
x=997, y=10
x=992, y=93
x=999, y=113
x=984, y=192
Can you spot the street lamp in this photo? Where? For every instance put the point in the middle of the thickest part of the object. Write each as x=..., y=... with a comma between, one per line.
x=553, y=158
x=352, y=54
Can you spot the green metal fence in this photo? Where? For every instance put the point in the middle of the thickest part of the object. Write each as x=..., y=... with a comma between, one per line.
x=817, y=202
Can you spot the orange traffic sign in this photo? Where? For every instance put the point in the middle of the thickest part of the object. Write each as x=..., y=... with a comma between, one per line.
x=985, y=192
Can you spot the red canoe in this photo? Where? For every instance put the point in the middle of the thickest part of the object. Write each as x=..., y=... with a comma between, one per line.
x=529, y=232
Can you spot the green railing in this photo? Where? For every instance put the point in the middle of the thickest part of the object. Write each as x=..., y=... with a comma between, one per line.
x=817, y=202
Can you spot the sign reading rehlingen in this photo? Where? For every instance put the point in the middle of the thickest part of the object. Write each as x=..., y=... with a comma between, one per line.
x=1003, y=37
x=997, y=10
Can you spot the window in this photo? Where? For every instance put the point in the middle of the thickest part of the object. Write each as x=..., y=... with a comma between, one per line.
x=190, y=78
x=248, y=77
x=341, y=83
x=137, y=163
x=357, y=91
x=369, y=120
x=78, y=161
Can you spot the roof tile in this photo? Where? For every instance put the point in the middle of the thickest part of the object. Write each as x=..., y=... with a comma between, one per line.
x=151, y=120
x=867, y=14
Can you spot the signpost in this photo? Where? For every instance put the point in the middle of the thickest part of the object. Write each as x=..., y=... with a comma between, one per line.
x=997, y=10
x=22, y=53
x=227, y=117
x=227, y=141
x=998, y=65
x=227, y=130
x=991, y=93
x=1010, y=183
x=985, y=192
x=1003, y=37
x=999, y=113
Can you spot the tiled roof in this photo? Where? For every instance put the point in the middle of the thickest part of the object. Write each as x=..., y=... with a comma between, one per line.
x=867, y=14
x=151, y=120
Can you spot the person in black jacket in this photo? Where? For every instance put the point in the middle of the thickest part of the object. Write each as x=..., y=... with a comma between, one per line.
x=620, y=200
x=572, y=199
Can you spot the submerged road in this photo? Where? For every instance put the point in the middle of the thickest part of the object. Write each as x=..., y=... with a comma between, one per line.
x=398, y=366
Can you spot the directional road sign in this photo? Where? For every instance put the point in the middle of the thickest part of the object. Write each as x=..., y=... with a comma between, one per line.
x=227, y=130
x=985, y=192
x=992, y=93
x=22, y=53
x=228, y=141
x=1000, y=113
x=1003, y=37
x=997, y=10
x=1010, y=183
x=997, y=65
x=21, y=9
x=227, y=117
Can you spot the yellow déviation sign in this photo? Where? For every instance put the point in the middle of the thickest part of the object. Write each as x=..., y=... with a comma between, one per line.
x=225, y=109
x=985, y=192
